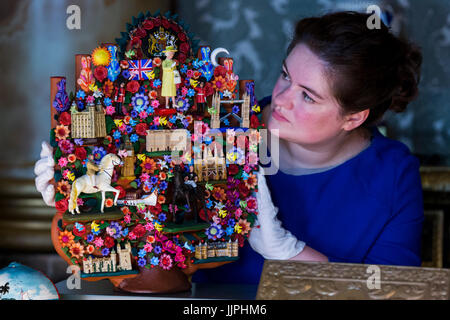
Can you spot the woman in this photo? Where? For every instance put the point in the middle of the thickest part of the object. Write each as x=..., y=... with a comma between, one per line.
x=344, y=192
x=169, y=65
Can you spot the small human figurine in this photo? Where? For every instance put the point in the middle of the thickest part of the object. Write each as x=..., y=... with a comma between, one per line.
x=92, y=169
x=119, y=98
x=168, y=88
x=191, y=178
x=200, y=97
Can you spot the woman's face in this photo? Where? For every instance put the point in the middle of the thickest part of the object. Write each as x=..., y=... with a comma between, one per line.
x=303, y=108
x=170, y=55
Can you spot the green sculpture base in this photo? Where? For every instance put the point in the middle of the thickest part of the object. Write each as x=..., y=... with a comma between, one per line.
x=109, y=214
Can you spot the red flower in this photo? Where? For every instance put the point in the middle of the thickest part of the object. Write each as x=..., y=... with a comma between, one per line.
x=254, y=121
x=251, y=204
x=220, y=71
x=109, y=242
x=139, y=230
x=133, y=86
x=136, y=41
x=182, y=58
x=80, y=153
x=124, y=64
x=148, y=24
x=175, y=28
x=141, y=129
x=165, y=23
x=182, y=36
x=209, y=90
x=156, y=209
x=140, y=33
x=157, y=22
x=111, y=148
x=64, y=118
x=79, y=233
x=62, y=205
x=233, y=169
x=100, y=73
x=122, y=191
x=243, y=190
x=184, y=47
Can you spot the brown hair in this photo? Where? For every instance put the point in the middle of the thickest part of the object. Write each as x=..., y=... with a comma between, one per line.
x=368, y=68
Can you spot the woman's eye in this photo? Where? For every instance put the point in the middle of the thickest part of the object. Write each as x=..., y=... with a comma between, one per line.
x=284, y=75
x=307, y=98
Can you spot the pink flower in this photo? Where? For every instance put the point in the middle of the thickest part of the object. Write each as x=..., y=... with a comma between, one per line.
x=62, y=162
x=98, y=242
x=189, y=73
x=216, y=219
x=143, y=114
x=149, y=226
x=148, y=247
x=127, y=218
x=184, y=91
x=90, y=99
x=165, y=261
x=238, y=213
x=145, y=177
x=122, y=153
x=123, y=128
x=131, y=236
x=80, y=201
x=179, y=257
x=66, y=173
x=155, y=103
x=156, y=121
x=110, y=110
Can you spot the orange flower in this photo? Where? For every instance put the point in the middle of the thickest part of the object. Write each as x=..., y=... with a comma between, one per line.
x=76, y=250
x=127, y=119
x=245, y=225
x=90, y=249
x=109, y=202
x=219, y=84
x=162, y=175
x=153, y=94
x=126, y=210
x=231, y=85
x=62, y=132
x=161, y=199
x=251, y=182
x=108, y=88
x=63, y=187
x=72, y=158
x=148, y=166
x=157, y=62
x=150, y=239
x=66, y=238
x=219, y=194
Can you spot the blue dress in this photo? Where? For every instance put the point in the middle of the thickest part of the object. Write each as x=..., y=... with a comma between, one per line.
x=368, y=210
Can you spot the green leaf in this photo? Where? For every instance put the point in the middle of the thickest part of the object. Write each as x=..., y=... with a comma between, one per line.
x=59, y=196
x=133, y=184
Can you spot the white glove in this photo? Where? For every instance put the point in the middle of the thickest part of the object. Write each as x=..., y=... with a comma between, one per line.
x=271, y=240
x=44, y=169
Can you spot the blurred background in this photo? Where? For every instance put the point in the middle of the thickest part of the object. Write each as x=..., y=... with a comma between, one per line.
x=37, y=44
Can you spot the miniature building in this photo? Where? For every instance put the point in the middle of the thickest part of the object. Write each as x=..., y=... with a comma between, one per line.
x=216, y=249
x=245, y=111
x=166, y=140
x=129, y=161
x=210, y=167
x=109, y=264
x=89, y=123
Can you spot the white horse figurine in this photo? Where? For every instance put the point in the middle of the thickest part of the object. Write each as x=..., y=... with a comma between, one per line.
x=103, y=179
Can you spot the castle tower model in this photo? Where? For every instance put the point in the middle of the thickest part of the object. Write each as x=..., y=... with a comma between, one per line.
x=124, y=257
x=89, y=124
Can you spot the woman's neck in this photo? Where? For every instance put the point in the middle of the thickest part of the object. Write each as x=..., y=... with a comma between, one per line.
x=327, y=154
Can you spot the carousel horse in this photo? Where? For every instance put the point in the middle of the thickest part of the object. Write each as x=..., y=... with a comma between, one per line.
x=103, y=183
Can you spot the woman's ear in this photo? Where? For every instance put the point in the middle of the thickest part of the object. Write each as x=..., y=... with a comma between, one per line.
x=354, y=120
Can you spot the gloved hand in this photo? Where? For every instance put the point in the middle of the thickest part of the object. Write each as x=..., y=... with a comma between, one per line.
x=267, y=236
x=44, y=169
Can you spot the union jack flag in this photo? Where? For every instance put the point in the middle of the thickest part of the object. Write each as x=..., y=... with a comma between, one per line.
x=139, y=68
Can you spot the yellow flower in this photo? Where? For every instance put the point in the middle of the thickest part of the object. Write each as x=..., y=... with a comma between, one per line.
x=193, y=82
x=222, y=213
x=163, y=120
x=150, y=75
x=141, y=157
x=71, y=176
x=118, y=122
x=93, y=87
x=158, y=226
x=95, y=227
x=256, y=108
x=237, y=228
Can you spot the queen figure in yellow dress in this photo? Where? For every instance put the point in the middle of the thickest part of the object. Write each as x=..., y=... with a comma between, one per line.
x=169, y=89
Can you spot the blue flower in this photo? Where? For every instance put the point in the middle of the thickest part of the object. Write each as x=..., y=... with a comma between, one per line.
x=163, y=185
x=81, y=94
x=78, y=142
x=153, y=127
x=134, y=137
x=207, y=140
x=142, y=262
x=226, y=122
x=154, y=179
x=134, y=113
x=90, y=237
x=191, y=92
x=129, y=129
x=150, y=110
x=96, y=232
x=156, y=83
x=229, y=231
x=133, y=122
x=173, y=119
x=235, y=109
x=80, y=105
x=117, y=134
x=162, y=217
x=98, y=153
x=157, y=249
x=142, y=253
x=154, y=261
x=209, y=204
x=124, y=232
x=105, y=252
x=138, y=182
x=214, y=231
x=107, y=102
x=126, y=74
